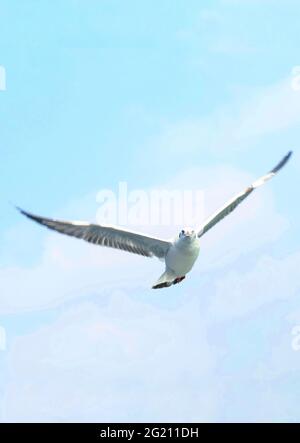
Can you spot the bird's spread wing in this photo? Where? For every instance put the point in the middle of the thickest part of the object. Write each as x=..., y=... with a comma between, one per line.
x=234, y=202
x=107, y=236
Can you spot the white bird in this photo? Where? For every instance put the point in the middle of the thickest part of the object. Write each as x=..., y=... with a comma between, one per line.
x=179, y=254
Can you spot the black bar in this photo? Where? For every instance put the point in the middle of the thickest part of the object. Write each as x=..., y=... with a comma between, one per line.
x=111, y=432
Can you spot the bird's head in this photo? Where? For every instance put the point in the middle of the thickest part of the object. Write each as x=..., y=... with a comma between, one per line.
x=187, y=234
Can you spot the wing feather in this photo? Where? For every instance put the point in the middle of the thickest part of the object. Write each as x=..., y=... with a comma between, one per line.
x=108, y=236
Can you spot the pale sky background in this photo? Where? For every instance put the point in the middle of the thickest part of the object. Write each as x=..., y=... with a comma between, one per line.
x=160, y=93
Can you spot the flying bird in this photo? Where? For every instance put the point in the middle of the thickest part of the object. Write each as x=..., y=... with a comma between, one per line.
x=179, y=254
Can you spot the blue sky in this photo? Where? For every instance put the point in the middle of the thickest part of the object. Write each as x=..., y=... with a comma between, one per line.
x=182, y=94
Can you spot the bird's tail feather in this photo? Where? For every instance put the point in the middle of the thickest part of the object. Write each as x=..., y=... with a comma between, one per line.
x=165, y=280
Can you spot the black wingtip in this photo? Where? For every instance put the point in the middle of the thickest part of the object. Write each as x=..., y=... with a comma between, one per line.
x=21, y=210
x=282, y=163
x=27, y=214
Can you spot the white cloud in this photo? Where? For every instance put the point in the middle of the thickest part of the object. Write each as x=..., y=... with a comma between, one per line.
x=133, y=358
x=128, y=361
x=273, y=109
x=268, y=110
x=270, y=279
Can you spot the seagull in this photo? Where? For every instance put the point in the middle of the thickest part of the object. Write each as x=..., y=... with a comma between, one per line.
x=179, y=254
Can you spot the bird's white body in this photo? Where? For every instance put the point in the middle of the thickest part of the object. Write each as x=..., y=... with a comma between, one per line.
x=179, y=255
x=180, y=258
x=182, y=255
